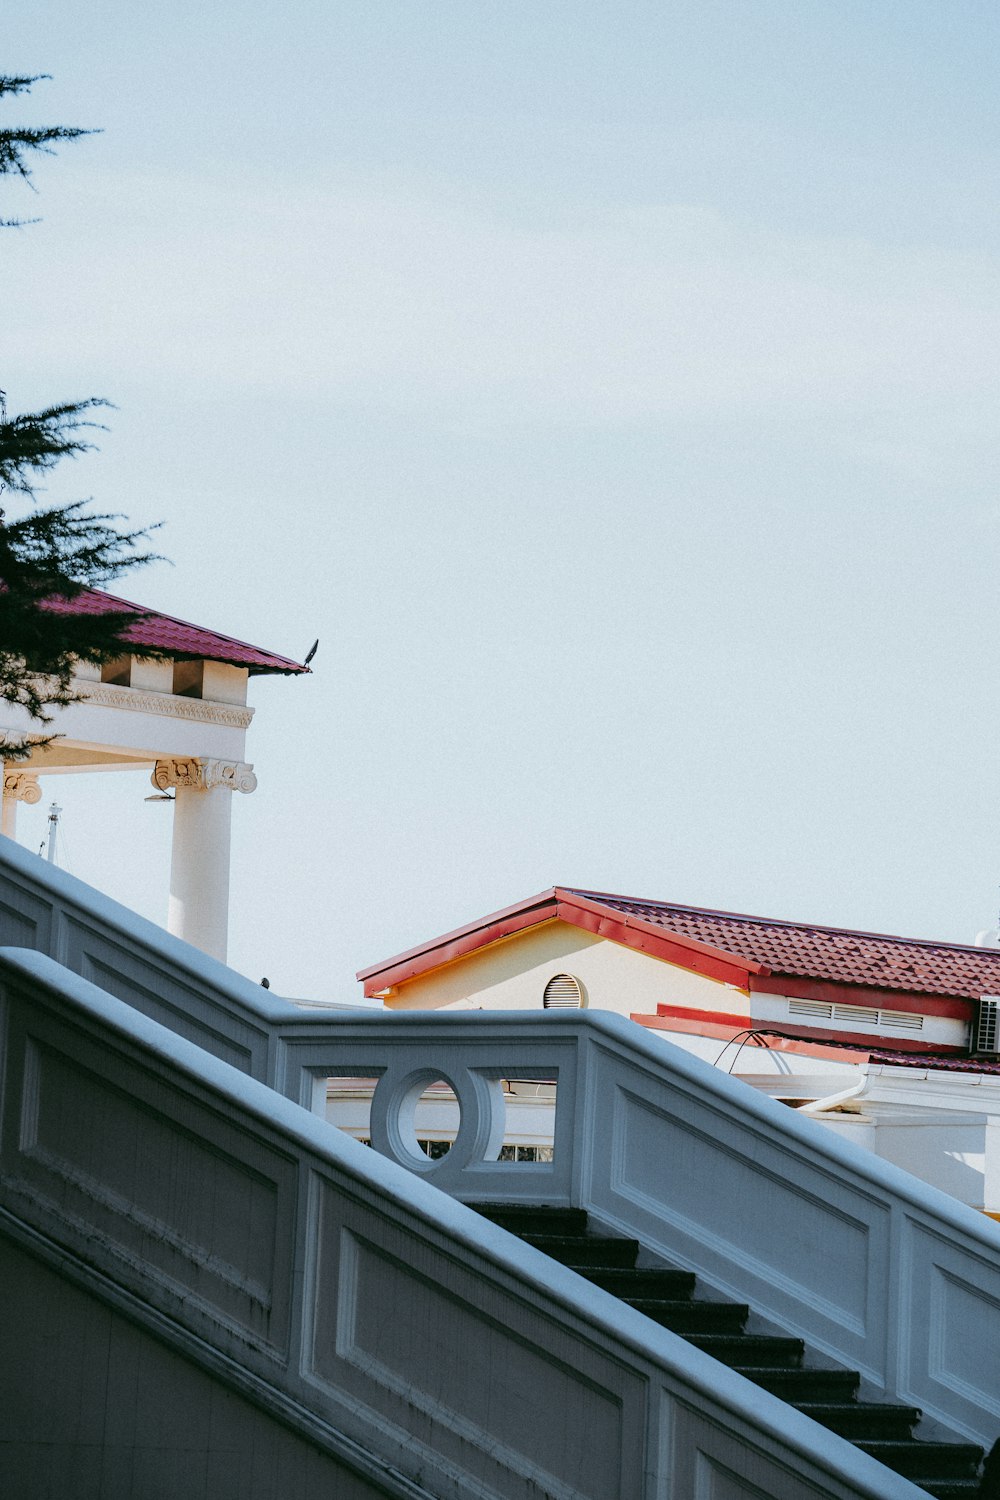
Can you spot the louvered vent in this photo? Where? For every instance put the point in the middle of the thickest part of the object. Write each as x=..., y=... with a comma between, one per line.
x=988, y=1024
x=810, y=1008
x=903, y=1019
x=562, y=992
x=861, y=1015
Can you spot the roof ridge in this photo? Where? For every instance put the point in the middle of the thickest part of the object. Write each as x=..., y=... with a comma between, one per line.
x=736, y=916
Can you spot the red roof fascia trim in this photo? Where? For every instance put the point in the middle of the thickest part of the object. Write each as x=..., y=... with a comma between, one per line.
x=709, y=1017
x=832, y=991
x=715, y=1031
x=647, y=937
x=459, y=943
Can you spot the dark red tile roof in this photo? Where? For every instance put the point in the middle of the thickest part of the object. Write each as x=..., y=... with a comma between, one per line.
x=837, y=954
x=176, y=636
x=935, y=1061
x=725, y=945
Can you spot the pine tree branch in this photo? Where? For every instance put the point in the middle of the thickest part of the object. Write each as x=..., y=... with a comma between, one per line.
x=20, y=83
x=51, y=554
x=18, y=143
x=33, y=442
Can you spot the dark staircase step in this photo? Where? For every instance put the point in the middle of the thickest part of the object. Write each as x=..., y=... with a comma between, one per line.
x=579, y=1252
x=748, y=1351
x=803, y=1385
x=862, y=1419
x=563, y=1234
x=954, y=1489
x=690, y=1318
x=530, y=1218
x=636, y=1281
x=922, y=1461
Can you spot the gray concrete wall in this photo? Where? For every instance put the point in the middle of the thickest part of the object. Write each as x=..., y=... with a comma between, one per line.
x=93, y=1407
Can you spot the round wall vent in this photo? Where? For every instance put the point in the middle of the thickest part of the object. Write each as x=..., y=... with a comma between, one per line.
x=563, y=992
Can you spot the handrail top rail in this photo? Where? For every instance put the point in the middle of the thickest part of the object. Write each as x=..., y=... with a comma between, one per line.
x=720, y=1385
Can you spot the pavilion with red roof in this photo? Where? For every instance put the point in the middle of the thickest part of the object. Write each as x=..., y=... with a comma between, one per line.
x=175, y=703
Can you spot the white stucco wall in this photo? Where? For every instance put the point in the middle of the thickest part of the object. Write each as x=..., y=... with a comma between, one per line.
x=956, y=1153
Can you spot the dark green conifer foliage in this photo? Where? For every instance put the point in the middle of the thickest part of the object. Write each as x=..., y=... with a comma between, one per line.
x=50, y=552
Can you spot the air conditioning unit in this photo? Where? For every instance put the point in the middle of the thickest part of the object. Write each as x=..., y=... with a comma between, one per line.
x=987, y=1032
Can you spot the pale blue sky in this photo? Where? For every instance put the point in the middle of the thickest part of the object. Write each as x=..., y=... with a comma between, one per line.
x=613, y=389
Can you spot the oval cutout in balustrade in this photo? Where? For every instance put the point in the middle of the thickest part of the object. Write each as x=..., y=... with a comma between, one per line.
x=436, y=1119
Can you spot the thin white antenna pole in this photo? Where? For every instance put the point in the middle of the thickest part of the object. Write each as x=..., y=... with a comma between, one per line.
x=54, y=814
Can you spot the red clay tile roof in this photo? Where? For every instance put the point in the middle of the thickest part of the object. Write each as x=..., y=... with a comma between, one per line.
x=933, y=1060
x=176, y=636
x=725, y=945
x=836, y=954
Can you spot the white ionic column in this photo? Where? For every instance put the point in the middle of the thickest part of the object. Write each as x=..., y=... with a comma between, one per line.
x=199, y=858
x=18, y=786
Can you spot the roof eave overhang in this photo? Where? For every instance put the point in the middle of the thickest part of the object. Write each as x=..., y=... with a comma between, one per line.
x=459, y=943
x=293, y=669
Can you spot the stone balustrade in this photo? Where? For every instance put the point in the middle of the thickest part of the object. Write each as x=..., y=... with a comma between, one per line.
x=156, y=1197
x=870, y=1266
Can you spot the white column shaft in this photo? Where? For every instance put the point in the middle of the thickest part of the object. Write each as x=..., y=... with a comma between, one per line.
x=199, y=868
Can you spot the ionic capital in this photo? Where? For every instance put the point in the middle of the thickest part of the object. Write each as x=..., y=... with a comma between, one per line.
x=21, y=787
x=201, y=775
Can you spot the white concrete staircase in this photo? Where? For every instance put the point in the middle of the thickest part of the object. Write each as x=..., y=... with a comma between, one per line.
x=206, y=1290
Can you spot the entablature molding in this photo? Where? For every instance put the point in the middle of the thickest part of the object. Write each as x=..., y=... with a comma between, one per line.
x=139, y=700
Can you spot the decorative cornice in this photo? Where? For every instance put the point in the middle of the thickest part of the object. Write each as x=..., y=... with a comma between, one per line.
x=202, y=710
x=203, y=775
x=21, y=787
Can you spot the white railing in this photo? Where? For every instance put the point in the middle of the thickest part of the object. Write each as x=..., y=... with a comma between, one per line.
x=872, y=1267
x=426, y=1350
